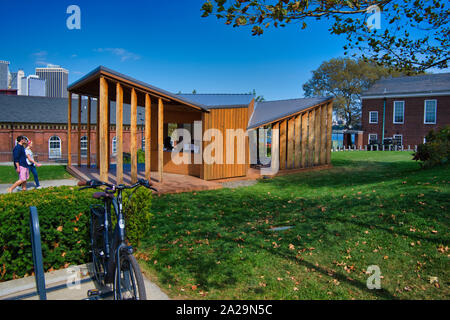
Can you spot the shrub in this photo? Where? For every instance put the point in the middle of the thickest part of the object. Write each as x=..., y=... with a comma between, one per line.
x=436, y=150
x=64, y=225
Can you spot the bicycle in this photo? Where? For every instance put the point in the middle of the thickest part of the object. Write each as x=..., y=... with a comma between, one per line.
x=112, y=259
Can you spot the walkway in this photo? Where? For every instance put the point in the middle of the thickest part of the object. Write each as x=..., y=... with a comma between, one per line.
x=44, y=184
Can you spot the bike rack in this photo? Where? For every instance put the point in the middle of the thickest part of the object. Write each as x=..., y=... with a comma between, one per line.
x=41, y=289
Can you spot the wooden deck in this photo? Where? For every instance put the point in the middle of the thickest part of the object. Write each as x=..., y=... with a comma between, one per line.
x=172, y=183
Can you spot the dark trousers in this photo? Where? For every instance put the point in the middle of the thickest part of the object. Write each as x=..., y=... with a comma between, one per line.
x=35, y=174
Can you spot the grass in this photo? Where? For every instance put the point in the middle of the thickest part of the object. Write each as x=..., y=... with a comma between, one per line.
x=372, y=208
x=8, y=175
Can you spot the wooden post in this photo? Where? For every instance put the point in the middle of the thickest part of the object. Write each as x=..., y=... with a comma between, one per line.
x=69, y=130
x=283, y=125
x=311, y=132
x=291, y=145
x=160, y=139
x=148, y=117
x=298, y=131
x=304, y=138
x=323, y=135
x=103, y=101
x=119, y=133
x=89, y=132
x=79, y=131
x=108, y=138
x=133, y=136
x=97, y=136
x=275, y=164
x=329, y=129
x=317, y=137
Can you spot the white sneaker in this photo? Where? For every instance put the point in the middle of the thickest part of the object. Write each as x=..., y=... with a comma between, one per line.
x=40, y=187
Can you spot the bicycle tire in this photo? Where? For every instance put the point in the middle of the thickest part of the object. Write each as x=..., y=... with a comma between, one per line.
x=131, y=280
x=97, y=245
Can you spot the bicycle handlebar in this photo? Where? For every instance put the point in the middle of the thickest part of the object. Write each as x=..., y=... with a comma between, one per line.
x=96, y=183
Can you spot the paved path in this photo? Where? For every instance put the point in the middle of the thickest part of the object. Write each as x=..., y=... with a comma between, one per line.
x=44, y=184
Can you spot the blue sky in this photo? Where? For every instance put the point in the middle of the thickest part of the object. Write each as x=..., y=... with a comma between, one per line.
x=166, y=44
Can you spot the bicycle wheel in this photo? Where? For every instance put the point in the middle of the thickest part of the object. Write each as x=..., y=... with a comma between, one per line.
x=129, y=284
x=97, y=247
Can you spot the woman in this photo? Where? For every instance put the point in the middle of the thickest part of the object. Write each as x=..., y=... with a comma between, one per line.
x=32, y=164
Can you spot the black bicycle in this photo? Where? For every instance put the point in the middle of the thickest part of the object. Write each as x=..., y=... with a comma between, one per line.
x=112, y=258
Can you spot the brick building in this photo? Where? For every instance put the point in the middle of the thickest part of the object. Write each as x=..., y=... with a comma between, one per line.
x=407, y=107
x=44, y=121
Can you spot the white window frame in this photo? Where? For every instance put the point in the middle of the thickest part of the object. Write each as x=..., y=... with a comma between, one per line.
x=54, y=153
x=372, y=134
x=403, y=115
x=83, y=139
x=370, y=117
x=425, y=112
x=114, y=145
x=398, y=135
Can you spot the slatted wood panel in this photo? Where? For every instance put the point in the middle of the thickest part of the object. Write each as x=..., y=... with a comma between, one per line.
x=222, y=119
x=291, y=143
x=298, y=135
x=323, y=135
x=304, y=139
x=329, y=128
x=119, y=133
x=311, y=132
x=283, y=127
x=317, y=135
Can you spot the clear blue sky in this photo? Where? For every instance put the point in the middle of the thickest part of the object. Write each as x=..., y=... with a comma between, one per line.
x=166, y=44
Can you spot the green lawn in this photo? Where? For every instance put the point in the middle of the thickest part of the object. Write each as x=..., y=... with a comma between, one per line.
x=8, y=175
x=372, y=208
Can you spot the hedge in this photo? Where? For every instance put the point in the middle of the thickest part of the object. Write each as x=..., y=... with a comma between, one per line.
x=64, y=225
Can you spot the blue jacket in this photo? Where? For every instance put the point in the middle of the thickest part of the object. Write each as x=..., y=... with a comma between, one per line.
x=20, y=156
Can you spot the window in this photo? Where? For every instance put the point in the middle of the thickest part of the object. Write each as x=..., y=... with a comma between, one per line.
x=114, y=145
x=84, y=146
x=54, y=147
x=430, y=111
x=373, y=117
x=399, y=111
x=373, y=138
x=397, y=139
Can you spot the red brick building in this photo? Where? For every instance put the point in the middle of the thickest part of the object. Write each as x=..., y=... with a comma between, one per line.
x=407, y=107
x=44, y=121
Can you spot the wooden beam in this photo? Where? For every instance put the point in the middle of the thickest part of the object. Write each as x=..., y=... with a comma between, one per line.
x=69, y=130
x=148, y=117
x=109, y=133
x=119, y=133
x=97, y=135
x=323, y=135
x=311, y=132
x=298, y=131
x=79, y=132
x=160, y=139
x=133, y=134
x=283, y=125
x=304, y=138
x=275, y=164
x=103, y=130
x=291, y=143
x=89, y=132
x=329, y=129
x=317, y=137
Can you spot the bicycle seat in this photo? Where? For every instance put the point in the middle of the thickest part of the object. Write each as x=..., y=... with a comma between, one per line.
x=100, y=195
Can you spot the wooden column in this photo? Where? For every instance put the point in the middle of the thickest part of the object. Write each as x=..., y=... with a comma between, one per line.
x=311, y=132
x=133, y=134
x=97, y=135
x=304, y=138
x=69, y=130
x=108, y=138
x=275, y=147
x=79, y=132
x=89, y=132
x=283, y=125
x=291, y=144
x=148, y=117
x=103, y=101
x=298, y=130
x=323, y=135
x=329, y=129
x=160, y=139
x=317, y=134
x=119, y=134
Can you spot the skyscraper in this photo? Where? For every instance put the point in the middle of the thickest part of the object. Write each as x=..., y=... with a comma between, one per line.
x=56, y=80
x=32, y=86
x=4, y=74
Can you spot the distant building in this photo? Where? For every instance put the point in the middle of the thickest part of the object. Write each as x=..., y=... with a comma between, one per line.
x=56, y=80
x=8, y=92
x=20, y=75
x=32, y=86
x=4, y=74
x=406, y=108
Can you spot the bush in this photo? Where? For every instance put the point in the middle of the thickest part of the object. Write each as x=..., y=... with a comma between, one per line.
x=436, y=150
x=64, y=225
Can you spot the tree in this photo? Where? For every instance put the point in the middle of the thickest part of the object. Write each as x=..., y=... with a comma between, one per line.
x=257, y=98
x=408, y=35
x=345, y=79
